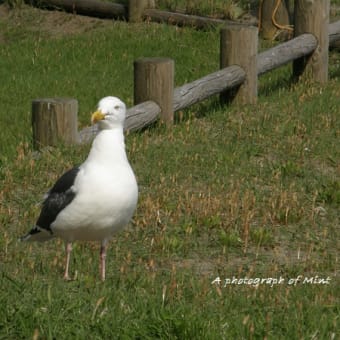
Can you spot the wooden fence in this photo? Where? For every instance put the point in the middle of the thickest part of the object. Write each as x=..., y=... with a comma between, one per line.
x=137, y=10
x=154, y=93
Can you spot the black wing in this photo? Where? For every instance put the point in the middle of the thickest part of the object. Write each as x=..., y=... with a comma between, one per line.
x=57, y=199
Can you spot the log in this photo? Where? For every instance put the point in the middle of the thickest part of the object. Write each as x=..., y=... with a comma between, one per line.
x=96, y=8
x=54, y=120
x=312, y=17
x=181, y=19
x=293, y=49
x=154, y=80
x=238, y=46
x=87, y=134
x=207, y=86
x=286, y=52
x=140, y=116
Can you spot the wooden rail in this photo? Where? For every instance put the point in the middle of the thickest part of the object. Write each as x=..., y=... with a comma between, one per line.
x=151, y=106
x=96, y=8
x=136, y=11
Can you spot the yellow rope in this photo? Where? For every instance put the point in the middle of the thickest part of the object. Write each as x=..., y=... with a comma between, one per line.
x=275, y=23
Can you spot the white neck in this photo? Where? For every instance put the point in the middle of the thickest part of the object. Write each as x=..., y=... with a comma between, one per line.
x=108, y=146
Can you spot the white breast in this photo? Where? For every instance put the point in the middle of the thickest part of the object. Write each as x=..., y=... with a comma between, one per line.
x=106, y=197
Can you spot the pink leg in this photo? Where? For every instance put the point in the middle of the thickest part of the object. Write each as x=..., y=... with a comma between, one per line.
x=68, y=249
x=102, y=259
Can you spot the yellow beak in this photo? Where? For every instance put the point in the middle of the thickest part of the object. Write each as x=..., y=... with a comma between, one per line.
x=96, y=117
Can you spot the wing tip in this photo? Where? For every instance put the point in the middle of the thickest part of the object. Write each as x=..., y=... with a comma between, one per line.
x=24, y=238
x=36, y=234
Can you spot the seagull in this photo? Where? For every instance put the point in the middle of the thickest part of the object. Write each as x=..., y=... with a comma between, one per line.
x=93, y=201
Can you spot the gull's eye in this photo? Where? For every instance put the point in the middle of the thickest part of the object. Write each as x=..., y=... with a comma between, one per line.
x=116, y=107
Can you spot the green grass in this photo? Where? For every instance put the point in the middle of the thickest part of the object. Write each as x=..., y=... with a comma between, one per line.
x=249, y=191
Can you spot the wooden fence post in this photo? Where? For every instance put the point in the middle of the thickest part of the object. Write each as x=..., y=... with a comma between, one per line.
x=238, y=46
x=53, y=120
x=154, y=80
x=312, y=17
x=137, y=7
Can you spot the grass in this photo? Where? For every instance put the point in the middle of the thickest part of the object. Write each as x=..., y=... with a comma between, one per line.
x=228, y=192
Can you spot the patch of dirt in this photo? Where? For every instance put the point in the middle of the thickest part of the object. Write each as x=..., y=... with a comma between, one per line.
x=60, y=23
x=52, y=23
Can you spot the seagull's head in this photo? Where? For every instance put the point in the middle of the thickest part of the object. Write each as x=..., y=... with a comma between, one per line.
x=110, y=113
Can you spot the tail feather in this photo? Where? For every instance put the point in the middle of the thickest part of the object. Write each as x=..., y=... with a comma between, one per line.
x=37, y=234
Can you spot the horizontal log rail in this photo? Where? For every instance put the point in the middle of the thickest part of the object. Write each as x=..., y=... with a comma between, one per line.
x=95, y=8
x=141, y=115
x=227, y=78
x=286, y=52
x=181, y=19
